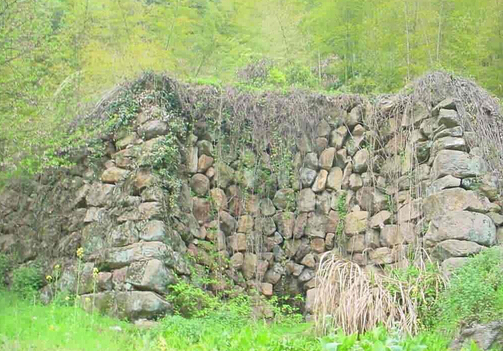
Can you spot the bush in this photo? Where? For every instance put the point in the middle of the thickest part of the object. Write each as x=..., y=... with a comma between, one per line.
x=475, y=292
x=26, y=281
x=4, y=268
x=191, y=301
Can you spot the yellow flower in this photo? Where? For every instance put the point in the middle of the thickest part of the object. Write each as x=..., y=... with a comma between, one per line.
x=56, y=267
x=67, y=298
x=48, y=278
x=51, y=327
x=87, y=299
x=80, y=252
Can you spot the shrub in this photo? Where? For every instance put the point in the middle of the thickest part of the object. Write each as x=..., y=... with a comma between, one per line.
x=191, y=301
x=26, y=281
x=4, y=268
x=475, y=292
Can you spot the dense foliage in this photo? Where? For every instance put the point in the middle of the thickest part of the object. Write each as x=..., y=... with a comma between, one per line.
x=475, y=293
x=57, y=56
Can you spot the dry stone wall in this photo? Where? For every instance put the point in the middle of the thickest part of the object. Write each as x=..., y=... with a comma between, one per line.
x=374, y=196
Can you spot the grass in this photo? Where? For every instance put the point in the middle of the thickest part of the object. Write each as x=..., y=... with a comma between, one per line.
x=28, y=326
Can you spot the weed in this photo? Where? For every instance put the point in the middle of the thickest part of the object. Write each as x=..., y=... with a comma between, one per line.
x=27, y=280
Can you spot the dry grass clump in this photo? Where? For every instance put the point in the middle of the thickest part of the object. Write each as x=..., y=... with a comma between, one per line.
x=356, y=300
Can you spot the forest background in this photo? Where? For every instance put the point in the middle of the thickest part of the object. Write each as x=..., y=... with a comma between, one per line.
x=58, y=57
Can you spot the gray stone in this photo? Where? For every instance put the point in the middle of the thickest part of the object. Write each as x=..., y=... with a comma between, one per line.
x=341, y=158
x=284, y=199
x=132, y=305
x=334, y=180
x=316, y=226
x=306, y=200
x=152, y=129
x=443, y=183
x=354, y=117
x=245, y=224
x=456, y=248
x=338, y=136
x=123, y=256
x=320, y=144
x=448, y=104
x=382, y=255
x=237, y=242
x=323, y=129
x=355, y=182
x=267, y=207
x=355, y=222
x=448, y=118
x=227, y=223
x=250, y=265
x=150, y=275
x=454, y=199
x=113, y=175
x=410, y=210
x=458, y=164
x=285, y=222
x=448, y=143
x=456, y=132
x=311, y=161
x=416, y=114
x=462, y=225
x=307, y=176
x=99, y=194
x=485, y=336
x=380, y=219
x=361, y=161
x=200, y=184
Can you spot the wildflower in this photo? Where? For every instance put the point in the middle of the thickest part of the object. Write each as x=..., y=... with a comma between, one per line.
x=48, y=278
x=67, y=298
x=95, y=273
x=57, y=267
x=80, y=252
x=87, y=299
x=51, y=327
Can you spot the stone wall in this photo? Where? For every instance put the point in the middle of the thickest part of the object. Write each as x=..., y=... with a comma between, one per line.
x=374, y=196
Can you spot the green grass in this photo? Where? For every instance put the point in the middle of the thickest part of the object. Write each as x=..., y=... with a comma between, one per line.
x=28, y=326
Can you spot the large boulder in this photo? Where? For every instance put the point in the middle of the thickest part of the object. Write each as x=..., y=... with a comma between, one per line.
x=455, y=199
x=150, y=275
x=486, y=336
x=458, y=164
x=462, y=225
x=132, y=305
x=456, y=248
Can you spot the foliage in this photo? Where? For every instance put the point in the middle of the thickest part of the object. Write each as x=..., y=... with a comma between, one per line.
x=191, y=301
x=27, y=280
x=4, y=268
x=53, y=63
x=475, y=291
x=427, y=285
